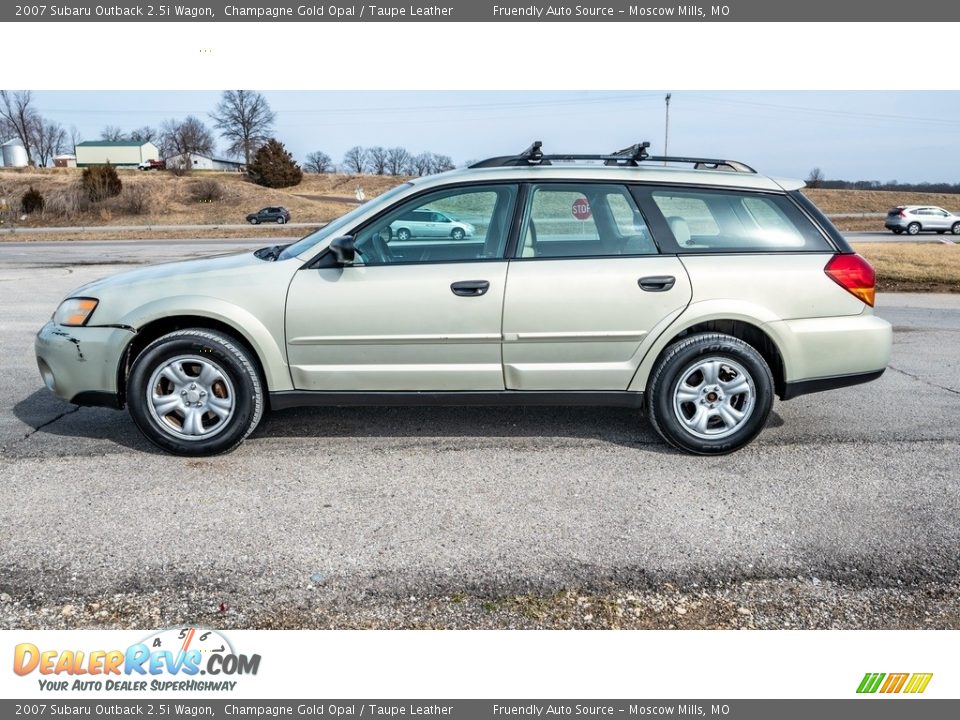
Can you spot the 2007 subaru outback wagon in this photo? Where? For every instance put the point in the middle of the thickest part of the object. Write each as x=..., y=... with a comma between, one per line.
x=695, y=288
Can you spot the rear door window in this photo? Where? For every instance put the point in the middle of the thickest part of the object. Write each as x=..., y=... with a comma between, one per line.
x=735, y=221
x=566, y=220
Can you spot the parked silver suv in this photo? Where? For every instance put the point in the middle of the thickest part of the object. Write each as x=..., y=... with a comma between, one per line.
x=697, y=293
x=913, y=219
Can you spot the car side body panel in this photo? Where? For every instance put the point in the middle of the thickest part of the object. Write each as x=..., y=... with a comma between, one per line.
x=790, y=299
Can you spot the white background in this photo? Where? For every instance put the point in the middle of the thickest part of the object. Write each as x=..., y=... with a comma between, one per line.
x=495, y=56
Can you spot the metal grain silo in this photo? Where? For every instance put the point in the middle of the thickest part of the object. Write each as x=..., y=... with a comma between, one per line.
x=14, y=154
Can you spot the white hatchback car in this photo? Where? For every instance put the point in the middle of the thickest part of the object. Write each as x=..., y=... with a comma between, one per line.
x=914, y=219
x=697, y=293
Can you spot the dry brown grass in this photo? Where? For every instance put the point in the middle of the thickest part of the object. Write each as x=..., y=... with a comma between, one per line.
x=914, y=267
x=876, y=201
x=172, y=201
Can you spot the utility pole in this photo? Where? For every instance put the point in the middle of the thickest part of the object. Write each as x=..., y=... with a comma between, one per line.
x=666, y=129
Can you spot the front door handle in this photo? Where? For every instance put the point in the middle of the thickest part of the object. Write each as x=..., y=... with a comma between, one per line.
x=470, y=288
x=657, y=283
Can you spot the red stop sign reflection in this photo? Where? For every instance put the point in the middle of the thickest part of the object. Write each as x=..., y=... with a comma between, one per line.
x=581, y=208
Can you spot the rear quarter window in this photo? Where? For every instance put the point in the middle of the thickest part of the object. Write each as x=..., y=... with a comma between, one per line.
x=731, y=221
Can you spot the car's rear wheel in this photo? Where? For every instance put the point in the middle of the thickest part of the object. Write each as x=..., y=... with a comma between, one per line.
x=913, y=228
x=403, y=234
x=956, y=228
x=195, y=392
x=897, y=231
x=458, y=234
x=709, y=394
x=280, y=220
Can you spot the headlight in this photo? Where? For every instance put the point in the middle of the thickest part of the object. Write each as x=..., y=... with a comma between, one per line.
x=75, y=311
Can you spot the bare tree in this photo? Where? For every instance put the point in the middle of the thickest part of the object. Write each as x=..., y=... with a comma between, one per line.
x=318, y=162
x=75, y=137
x=245, y=120
x=19, y=116
x=144, y=134
x=815, y=178
x=355, y=160
x=111, y=133
x=48, y=139
x=440, y=163
x=421, y=163
x=397, y=159
x=183, y=138
x=377, y=160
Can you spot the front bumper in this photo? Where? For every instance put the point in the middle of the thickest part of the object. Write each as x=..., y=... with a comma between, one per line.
x=79, y=364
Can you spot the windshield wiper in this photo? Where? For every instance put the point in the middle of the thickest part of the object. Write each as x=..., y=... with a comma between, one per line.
x=269, y=253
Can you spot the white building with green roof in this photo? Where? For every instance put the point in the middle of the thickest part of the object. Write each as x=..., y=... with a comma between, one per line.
x=119, y=153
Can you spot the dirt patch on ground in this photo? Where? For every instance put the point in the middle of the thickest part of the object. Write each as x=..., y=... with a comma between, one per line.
x=757, y=604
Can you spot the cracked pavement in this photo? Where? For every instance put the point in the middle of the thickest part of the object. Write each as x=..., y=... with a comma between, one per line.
x=344, y=513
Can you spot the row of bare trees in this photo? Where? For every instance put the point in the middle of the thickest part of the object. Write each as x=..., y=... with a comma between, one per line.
x=20, y=119
x=243, y=119
x=379, y=160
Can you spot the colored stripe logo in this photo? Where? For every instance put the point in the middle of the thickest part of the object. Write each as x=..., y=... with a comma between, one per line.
x=913, y=683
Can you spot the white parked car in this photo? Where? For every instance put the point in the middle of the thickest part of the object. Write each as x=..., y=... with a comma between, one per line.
x=424, y=223
x=698, y=294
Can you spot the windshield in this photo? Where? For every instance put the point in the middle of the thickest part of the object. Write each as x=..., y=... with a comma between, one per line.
x=334, y=227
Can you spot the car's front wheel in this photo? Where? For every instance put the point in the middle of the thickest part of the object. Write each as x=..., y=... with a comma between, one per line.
x=956, y=228
x=458, y=234
x=254, y=221
x=913, y=228
x=709, y=394
x=403, y=234
x=195, y=392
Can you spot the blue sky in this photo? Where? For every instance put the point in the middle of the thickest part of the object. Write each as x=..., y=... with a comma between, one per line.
x=907, y=136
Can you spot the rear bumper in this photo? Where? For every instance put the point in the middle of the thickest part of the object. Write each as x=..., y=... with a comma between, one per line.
x=79, y=364
x=805, y=387
x=825, y=353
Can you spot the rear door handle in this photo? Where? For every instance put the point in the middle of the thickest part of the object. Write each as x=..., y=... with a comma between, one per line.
x=470, y=288
x=657, y=283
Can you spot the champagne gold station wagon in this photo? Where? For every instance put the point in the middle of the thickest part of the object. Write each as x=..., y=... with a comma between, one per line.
x=694, y=288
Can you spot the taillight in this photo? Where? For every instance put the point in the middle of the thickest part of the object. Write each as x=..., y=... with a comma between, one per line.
x=901, y=214
x=853, y=274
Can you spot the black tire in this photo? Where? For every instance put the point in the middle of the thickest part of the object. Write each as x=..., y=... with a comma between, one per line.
x=897, y=231
x=955, y=229
x=941, y=232
x=671, y=368
x=254, y=221
x=913, y=228
x=228, y=356
x=280, y=220
x=458, y=234
x=403, y=234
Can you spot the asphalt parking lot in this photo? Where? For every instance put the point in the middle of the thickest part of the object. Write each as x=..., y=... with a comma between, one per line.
x=844, y=513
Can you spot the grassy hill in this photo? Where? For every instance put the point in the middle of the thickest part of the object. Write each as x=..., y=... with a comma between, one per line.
x=163, y=198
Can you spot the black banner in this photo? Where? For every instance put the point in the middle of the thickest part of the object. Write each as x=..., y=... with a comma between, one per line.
x=480, y=11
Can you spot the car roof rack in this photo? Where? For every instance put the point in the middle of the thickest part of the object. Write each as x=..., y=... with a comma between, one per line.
x=628, y=157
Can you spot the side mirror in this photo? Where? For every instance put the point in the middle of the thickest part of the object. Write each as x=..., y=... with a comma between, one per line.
x=343, y=249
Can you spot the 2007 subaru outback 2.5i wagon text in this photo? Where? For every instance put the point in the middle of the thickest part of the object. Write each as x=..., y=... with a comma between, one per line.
x=697, y=292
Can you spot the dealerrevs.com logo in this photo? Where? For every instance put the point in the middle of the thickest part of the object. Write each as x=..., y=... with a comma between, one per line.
x=180, y=659
x=886, y=684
